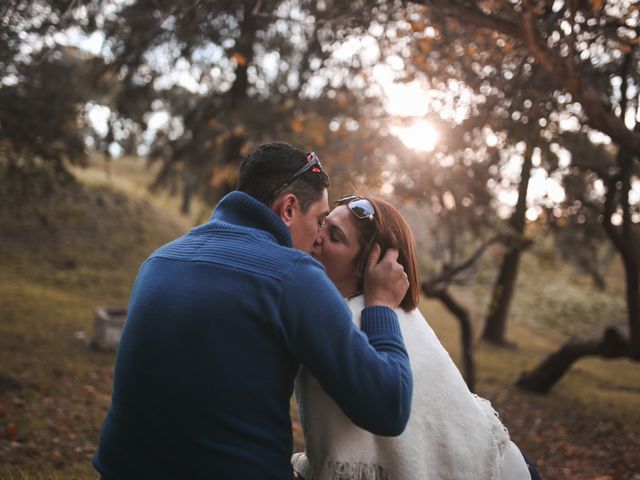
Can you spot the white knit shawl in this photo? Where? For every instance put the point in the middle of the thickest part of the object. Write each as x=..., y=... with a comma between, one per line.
x=452, y=433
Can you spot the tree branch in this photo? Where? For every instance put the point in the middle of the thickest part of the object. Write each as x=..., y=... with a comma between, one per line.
x=434, y=285
x=471, y=14
x=545, y=375
x=599, y=115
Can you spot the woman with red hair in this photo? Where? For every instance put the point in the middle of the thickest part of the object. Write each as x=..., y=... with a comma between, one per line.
x=452, y=433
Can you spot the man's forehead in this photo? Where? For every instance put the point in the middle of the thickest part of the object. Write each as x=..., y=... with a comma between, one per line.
x=322, y=205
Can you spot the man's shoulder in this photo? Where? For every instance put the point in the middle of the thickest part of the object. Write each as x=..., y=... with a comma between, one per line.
x=245, y=249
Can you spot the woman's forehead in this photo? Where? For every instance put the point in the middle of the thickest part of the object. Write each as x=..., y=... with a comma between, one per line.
x=341, y=217
x=340, y=214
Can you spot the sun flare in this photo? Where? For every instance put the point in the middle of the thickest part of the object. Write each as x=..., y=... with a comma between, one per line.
x=421, y=136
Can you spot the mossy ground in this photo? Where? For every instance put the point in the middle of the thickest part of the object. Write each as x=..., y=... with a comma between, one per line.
x=81, y=248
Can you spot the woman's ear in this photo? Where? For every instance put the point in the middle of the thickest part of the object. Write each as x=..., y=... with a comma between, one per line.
x=285, y=208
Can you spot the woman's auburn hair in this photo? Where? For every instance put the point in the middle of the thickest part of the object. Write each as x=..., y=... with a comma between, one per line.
x=390, y=230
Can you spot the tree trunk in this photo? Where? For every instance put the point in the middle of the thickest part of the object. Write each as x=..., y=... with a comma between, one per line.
x=244, y=51
x=612, y=345
x=231, y=157
x=633, y=306
x=189, y=183
x=624, y=240
x=466, y=334
x=495, y=328
x=631, y=271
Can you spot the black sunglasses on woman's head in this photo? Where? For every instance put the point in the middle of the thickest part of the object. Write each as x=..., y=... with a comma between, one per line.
x=360, y=207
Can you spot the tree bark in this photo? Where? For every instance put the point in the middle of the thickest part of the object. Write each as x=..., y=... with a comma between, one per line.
x=188, y=184
x=630, y=258
x=466, y=333
x=633, y=306
x=540, y=380
x=624, y=240
x=495, y=328
x=244, y=49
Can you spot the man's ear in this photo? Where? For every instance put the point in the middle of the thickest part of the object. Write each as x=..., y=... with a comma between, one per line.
x=285, y=207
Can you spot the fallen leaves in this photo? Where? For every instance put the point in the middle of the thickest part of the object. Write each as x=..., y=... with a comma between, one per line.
x=8, y=429
x=11, y=431
x=567, y=443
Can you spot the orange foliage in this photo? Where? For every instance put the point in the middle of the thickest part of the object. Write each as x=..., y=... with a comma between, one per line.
x=341, y=98
x=597, y=6
x=425, y=45
x=239, y=58
x=297, y=124
x=417, y=26
x=223, y=175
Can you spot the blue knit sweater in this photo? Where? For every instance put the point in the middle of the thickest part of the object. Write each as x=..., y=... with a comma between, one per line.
x=219, y=322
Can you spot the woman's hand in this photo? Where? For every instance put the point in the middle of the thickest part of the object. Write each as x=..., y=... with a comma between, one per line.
x=385, y=281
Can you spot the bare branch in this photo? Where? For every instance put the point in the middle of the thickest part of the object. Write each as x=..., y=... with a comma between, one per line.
x=562, y=72
x=472, y=15
x=439, y=283
x=599, y=115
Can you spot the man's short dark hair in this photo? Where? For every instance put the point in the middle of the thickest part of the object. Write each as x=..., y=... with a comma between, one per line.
x=270, y=165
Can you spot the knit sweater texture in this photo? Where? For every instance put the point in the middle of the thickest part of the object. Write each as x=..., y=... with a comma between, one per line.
x=452, y=434
x=219, y=322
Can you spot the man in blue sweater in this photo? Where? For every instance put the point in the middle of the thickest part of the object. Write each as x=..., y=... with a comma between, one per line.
x=221, y=319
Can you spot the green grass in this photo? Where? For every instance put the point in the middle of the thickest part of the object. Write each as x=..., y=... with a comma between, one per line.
x=80, y=249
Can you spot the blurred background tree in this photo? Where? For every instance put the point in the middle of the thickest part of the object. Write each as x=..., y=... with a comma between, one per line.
x=217, y=77
x=581, y=56
x=506, y=131
x=43, y=90
x=522, y=94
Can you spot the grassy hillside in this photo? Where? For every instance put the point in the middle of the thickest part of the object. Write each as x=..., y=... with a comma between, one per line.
x=81, y=248
x=60, y=259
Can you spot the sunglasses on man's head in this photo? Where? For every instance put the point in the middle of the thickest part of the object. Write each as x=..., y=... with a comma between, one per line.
x=360, y=207
x=313, y=164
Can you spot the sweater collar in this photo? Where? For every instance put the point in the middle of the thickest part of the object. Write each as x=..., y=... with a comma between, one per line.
x=240, y=209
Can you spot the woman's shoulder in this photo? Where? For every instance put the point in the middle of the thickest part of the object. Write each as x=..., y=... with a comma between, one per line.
x=414, y=318
x=357, y=302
